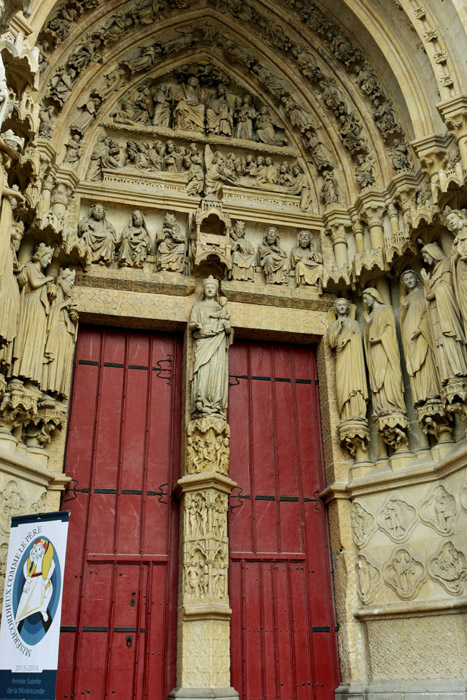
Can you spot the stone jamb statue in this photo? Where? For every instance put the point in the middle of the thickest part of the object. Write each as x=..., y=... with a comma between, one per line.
x=384, y=369
x=345, y=337
x=446, y=327
x=212, y=334
x=417, y=341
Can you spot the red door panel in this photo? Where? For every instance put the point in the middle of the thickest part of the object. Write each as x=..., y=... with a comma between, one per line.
x=119, y=611
x=282, y=629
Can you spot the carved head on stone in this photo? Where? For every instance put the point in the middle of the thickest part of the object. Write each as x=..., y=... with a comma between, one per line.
x=431, y=253
x=304, y=238
x=371, y=297
x=456, y=219
x=210, y=287
x=271, y=236
x=43, y=253
x=410, y=279
x=342, y=306
x=97, y=211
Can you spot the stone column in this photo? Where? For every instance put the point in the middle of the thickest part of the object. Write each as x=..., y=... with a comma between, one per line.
x=203, y=624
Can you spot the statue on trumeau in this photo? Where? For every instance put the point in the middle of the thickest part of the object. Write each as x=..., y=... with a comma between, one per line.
x=171, y=246
x=306, y=262
x=62, y=329
x=272, y=257
x=29, y=346
x=243, y=254
x=99, y=234
x=135, y=242
x=384, y=370
x=345, y=337
x=446, y=327
x=417, y=341
x=212, y=335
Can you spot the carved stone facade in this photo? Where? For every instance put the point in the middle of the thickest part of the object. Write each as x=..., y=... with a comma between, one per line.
x=272, y=170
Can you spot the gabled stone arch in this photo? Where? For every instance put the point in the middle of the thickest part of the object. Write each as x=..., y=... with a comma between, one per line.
x=373, y=144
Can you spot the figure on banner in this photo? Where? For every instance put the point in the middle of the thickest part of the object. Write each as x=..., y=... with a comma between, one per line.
x=38, y=588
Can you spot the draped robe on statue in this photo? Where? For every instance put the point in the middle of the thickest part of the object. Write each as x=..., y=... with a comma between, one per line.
x=419, y=357
x=446, y=323
x=345, y=335
x=28, y=351
x=210, y=377
x=383, y=361
x=60, y=347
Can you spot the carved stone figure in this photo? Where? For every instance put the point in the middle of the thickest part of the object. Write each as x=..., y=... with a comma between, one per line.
x=301, y=186
x=189, y=110
x=9, y=296
x=404, y=574
x=329, y=192
x=456, y=222
x=245, y=116
x=106, y=156
x=364, y=171
x=243, y=254
x=171, y=246
x=400, y=154
x=61, y=335
x=88, y=113
x=363, y=524
x=449, y=568
x=417, y=341
x=446, y=327
x=439, y=510
x=195, y=183
x=99, y=234
x=306, y=262
x=208, y=446
x=368, y=578
x=219, y=119
x=322, y=158
x=47, y=120
x=217, y=172
x=11, y=503
x=266, y=128
x=73, y=149
x=147, y=58
x=384, y=370
x=212, y=334
x=345, y=336
x=273, y=258
x=397, y=518
x=134, y=242
x=28, y=350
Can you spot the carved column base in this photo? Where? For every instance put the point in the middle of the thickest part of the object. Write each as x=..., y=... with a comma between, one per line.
x=454, y=395
x=393, y=429
x=434, y=420
x=354, y=434
x=207, y=445
x=18, y=405
x=41, y=427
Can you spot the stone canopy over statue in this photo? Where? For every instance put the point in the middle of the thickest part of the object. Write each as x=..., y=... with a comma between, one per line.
x=212, y=334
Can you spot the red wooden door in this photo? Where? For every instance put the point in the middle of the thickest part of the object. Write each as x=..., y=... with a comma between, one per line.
x=119, y=608
x=282, y=629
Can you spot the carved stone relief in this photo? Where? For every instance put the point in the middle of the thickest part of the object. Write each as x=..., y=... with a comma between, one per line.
x=305, y=262
x=449, y=568
x=369, y=578
x=273, y=258
x=363, y=524
x=397, y=518
x=439, y=510
x=404, y=573
x=11, y=503
x=205, y=547
x=208, y=446
x=243, y=255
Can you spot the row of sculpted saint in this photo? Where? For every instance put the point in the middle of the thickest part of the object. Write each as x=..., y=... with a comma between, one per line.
x=212, y=333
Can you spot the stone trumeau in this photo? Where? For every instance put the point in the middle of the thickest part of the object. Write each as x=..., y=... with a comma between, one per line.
x=285, y=171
